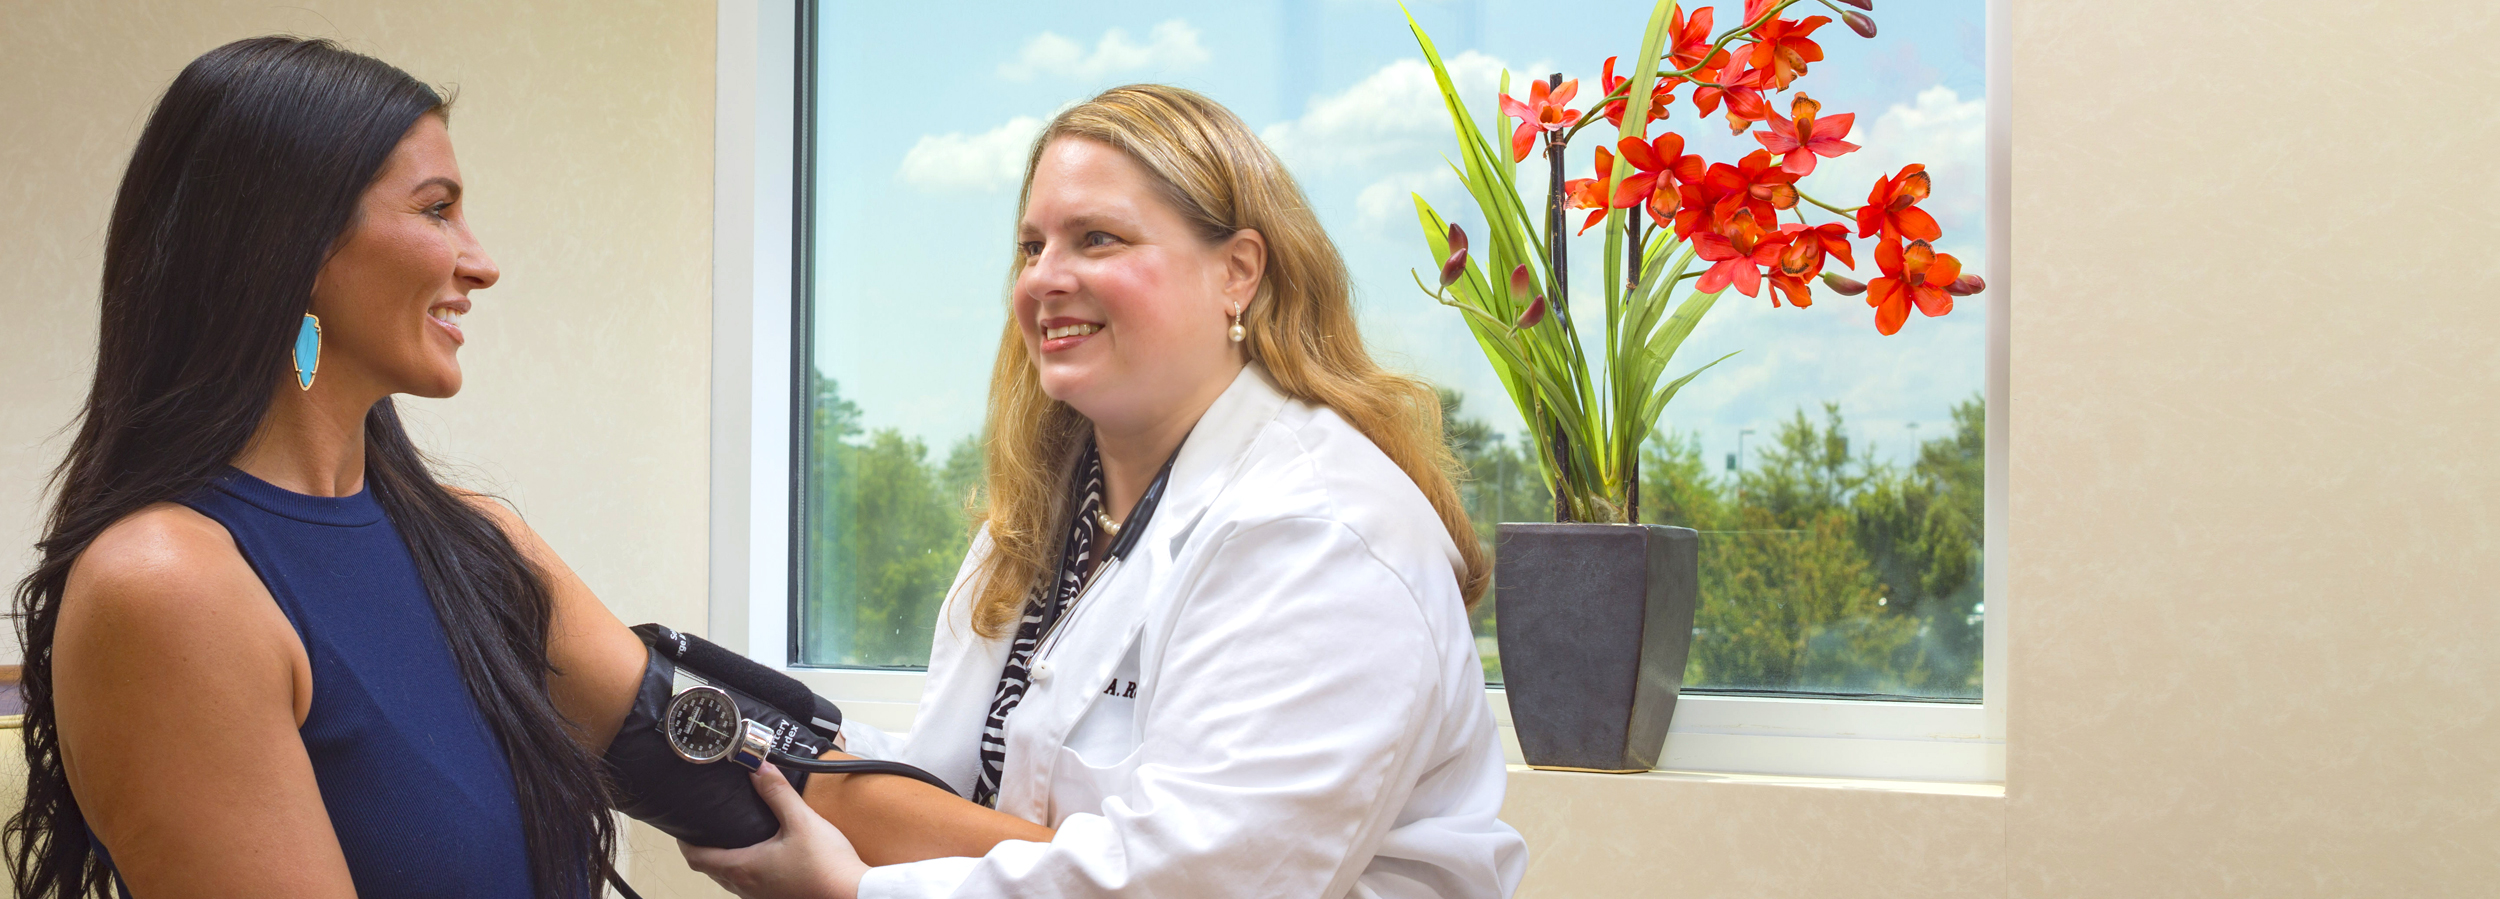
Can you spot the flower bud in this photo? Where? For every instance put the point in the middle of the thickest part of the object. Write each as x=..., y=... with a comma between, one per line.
x=1859, y=22
x=1535, y=313
x=1868, y=5
x=1847, y=287
x=1456, y=267
x=1519, y=283
x=1966, y=285
x=1458, y=238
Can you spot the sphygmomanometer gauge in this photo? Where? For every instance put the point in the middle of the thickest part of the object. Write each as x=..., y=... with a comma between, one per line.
x=703, y=725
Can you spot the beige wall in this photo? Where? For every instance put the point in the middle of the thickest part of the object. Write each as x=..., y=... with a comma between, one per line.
x=2255, y=572
x=2254, y=374
x=584, y=131
x=2257, y=400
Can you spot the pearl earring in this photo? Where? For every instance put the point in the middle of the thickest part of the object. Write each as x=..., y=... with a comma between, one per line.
x=1238, y=332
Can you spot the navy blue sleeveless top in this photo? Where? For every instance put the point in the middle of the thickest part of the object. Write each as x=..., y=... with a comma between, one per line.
x=414, y=779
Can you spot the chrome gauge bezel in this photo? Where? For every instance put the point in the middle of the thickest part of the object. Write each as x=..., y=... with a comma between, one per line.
x=712, y=703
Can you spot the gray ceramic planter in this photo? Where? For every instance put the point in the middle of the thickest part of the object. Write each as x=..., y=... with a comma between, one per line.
x=1594, y=622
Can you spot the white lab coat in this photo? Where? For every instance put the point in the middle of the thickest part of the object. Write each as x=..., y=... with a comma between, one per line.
x=1274, y=695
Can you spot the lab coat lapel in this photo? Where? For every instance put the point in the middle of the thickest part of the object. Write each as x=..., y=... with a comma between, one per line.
x=1097, y=635
x=1215, y=451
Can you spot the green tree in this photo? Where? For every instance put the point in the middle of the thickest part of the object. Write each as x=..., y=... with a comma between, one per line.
x=1789, y=601
x=966, y=466
x=1823, y=569
x=1676, y=487
x=885, y=532
x=1497, y=483
x=1922, y=529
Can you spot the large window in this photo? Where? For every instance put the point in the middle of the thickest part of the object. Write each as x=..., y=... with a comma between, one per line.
x=1837, y=476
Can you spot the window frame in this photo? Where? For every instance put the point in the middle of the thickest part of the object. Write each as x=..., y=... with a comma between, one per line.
x=760, y=222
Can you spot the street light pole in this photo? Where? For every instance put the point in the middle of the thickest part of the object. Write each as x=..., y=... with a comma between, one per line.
x=1738, y=468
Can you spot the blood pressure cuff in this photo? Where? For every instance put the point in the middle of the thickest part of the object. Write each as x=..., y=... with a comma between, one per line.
x=714, y=804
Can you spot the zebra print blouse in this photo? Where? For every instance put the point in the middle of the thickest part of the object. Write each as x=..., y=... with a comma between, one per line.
x=1047, y=605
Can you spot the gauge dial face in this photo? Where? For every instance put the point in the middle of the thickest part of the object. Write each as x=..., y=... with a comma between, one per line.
x=702, y=724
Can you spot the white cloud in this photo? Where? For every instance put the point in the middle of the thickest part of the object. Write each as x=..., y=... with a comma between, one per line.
x=955, y=161
x=1395, y=114
x=1392, y=131
x=1170, y=46
x=1944, y=131
x=1390, y=202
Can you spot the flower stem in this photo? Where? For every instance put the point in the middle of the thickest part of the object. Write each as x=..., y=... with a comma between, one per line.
x=1558, y=238
x=1850, y=212
x=1835, y=7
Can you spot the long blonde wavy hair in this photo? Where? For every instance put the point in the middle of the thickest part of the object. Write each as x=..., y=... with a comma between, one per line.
x=1222, y=178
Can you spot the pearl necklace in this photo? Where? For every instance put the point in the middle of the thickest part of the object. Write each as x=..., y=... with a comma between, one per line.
x=1109, y=527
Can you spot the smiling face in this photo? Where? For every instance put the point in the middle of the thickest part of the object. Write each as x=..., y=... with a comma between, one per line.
x=1124, y=307
x=391, y=294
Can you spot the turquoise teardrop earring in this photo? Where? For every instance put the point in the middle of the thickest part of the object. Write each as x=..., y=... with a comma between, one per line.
x=307, y=351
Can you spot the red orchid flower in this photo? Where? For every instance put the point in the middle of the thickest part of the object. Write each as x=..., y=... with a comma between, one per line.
x=1892, y=207
x=1543, y=112
x=1807, y=248
x=1740, y=249
x=1590, y=193
x=1694, y=201
x=1743, y=93
x=1661, y=96
x=1781, y=46
x=1704, y=205
x=1663, y=167
x=1803, y=257
x=1688, y=40
x=1916, y=276
x=1804, y=137
x=1755, y=183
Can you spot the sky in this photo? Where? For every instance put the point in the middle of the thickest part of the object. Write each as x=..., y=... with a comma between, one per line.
x=923, y=131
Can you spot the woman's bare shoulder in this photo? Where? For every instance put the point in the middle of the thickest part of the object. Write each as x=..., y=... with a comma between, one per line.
x=163, y=600
x=163, y=559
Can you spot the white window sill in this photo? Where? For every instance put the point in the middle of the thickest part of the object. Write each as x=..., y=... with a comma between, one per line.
x=1926, y=787
x=1935, y=743
x=1911, y=741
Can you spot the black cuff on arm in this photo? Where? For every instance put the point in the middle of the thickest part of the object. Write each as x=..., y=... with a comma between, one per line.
x=707, y=805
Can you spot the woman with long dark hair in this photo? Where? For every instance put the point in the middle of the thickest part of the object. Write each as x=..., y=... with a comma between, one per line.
x=267, y=652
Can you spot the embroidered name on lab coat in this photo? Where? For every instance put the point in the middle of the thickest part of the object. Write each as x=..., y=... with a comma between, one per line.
x=1124, y=689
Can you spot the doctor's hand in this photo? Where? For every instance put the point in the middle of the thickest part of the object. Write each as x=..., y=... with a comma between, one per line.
x=808, y=859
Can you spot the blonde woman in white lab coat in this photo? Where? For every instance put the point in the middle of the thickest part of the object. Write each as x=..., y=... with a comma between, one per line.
x=1212, y=638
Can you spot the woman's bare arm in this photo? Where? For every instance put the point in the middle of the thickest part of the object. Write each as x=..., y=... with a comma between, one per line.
x=178, y=686
x=598, y=661
x=891, y=819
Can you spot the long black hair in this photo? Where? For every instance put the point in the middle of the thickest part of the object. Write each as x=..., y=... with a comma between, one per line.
x=248, y=172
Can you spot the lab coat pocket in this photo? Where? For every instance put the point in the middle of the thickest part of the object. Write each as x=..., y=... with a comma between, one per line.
x=1103, y=745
